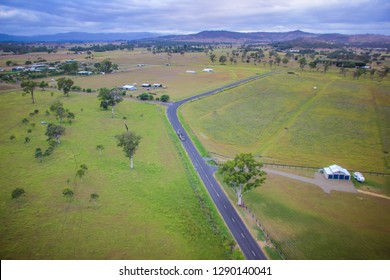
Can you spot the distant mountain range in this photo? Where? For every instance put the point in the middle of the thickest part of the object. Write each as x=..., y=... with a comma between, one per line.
x=272, y=37
x=296, y=36
x=79, y=37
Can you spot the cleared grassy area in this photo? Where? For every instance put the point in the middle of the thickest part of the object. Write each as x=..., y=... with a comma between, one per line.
x=284, y=119
x=150, y=212
x=179, y=84
x=307, y=223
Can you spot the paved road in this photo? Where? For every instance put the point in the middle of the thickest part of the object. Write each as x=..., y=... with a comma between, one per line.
x=247, y=243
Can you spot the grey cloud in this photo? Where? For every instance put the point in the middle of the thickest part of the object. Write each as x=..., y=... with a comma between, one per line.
x=51, y=16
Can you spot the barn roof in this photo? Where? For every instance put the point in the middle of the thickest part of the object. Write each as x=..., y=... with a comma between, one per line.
x=336, y=169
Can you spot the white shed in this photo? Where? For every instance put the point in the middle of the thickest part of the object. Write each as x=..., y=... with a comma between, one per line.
x=129, y=87
x=208, y=70
x=336, y=172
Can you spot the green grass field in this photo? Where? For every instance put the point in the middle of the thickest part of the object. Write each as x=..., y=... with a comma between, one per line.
x=150, y=212
x=306, y=223
x=283, y=119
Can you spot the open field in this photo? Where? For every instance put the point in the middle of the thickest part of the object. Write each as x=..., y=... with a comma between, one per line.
x=307, y=223
x=281, y=118
x=150, y=212
x=284, y=120
x=179, y=83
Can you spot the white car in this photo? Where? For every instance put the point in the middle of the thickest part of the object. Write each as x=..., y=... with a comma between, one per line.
x=358, y=176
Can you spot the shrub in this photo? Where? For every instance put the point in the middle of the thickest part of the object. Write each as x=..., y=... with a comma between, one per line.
x=17, y=193
x=68, y=193
x=164, y=98
x=12, y=137
x=144, y=96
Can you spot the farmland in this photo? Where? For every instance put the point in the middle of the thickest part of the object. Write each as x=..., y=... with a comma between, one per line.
x=284, y=119
x=304, y=118
x=152, y=206
x=306, y=223
x=178, y=83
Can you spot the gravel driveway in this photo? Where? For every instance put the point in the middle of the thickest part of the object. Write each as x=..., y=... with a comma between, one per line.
x=319, y=180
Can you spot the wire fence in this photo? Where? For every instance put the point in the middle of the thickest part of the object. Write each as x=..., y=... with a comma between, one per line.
x=302, y=167
x=268, y=239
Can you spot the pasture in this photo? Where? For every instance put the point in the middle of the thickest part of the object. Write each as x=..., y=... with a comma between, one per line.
x=179, y=84
x=150, y=212
x=283, y=119
x=306, y=223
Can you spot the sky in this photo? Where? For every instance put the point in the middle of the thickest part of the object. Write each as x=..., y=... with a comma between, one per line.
x=38, y=17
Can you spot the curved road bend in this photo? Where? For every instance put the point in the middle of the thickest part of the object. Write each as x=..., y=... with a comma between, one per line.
x=247, y=243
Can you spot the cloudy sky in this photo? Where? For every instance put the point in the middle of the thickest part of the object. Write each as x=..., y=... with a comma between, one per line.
x=32, y=17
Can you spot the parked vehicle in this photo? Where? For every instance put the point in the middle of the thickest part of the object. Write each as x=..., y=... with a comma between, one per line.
x=358, y=177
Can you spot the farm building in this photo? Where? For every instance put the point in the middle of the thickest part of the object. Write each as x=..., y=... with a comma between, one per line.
x=129, y=87
x=208, y=70
x=336, y=172
x=84, y=73
x=19, y=68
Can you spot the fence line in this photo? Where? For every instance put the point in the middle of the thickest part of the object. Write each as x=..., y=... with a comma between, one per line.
x=302, y=166
x=268, y=238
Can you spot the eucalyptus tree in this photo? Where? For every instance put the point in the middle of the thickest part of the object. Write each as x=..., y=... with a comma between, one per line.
x=109, y=97
x=65, y=85
x=82, y=171
x=54, y=131
x=302, y=63
x=242, y=174
x=100, y=148
x=129, y=142
x=29, y=87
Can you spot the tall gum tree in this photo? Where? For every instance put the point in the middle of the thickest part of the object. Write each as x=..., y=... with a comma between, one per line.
x=109, y=98
x=29, y=87
x=242, y=174
x=129, y=142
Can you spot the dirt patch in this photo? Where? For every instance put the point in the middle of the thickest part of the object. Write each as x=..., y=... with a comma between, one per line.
x=374, y=194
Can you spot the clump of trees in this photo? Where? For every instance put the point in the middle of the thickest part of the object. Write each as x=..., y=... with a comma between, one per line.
x=106, y=66
x=60, y=112
x=145, y=96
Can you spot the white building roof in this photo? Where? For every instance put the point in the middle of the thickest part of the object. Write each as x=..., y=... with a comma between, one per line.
x=335, y=169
